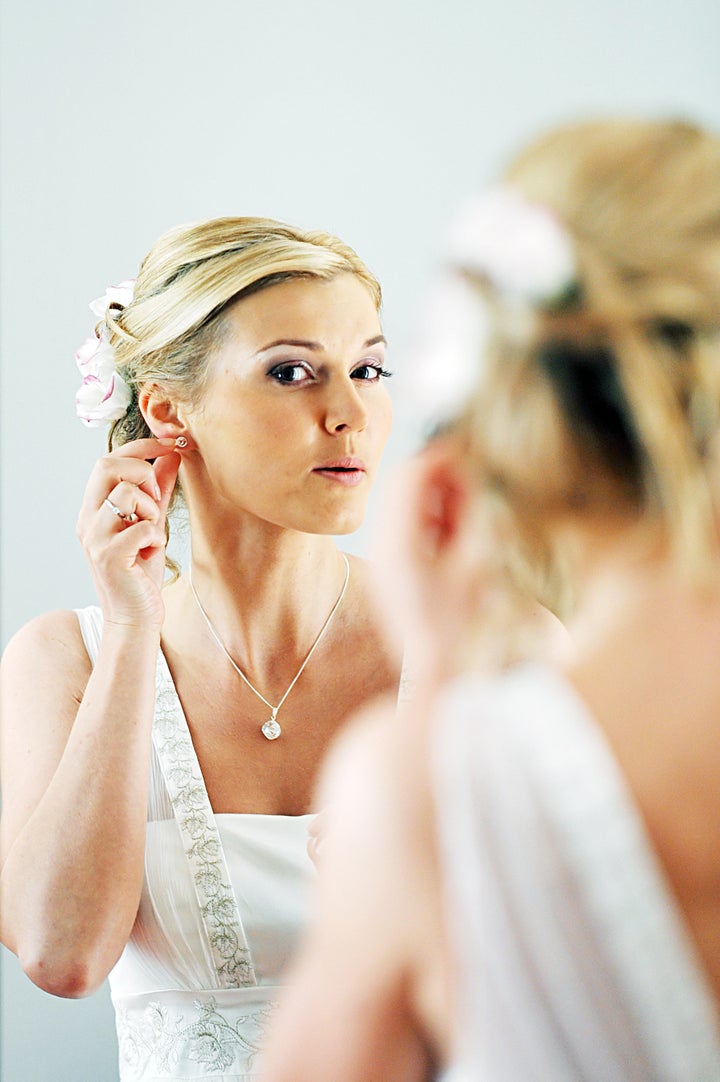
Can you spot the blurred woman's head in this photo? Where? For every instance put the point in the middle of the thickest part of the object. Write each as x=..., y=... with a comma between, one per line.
x=599, y=261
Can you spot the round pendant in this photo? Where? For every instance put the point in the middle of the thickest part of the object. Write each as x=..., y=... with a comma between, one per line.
x=271, y=730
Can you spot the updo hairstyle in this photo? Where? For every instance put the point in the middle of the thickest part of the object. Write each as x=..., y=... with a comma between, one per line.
x=185, y=287
x=610, y=399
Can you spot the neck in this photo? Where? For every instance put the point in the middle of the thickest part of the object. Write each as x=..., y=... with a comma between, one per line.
x=266, y=590
x=619, y=577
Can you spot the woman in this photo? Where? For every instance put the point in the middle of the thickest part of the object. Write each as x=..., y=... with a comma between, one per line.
x=534, y=893
x=160, y=751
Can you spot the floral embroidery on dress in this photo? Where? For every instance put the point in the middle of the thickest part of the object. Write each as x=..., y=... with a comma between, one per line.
x=158, y=1041
x=200, y=837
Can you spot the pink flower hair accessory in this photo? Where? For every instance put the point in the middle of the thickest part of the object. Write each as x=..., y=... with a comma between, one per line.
x=103, y=395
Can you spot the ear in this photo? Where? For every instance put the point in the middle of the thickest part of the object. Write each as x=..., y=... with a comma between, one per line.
x=165, y=418
x=444, y=497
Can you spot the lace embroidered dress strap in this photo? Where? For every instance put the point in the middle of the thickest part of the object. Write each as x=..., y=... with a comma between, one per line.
x=200, y=837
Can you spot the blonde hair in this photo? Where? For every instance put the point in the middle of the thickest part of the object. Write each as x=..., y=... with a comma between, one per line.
x=185, y=287
x=614, y=395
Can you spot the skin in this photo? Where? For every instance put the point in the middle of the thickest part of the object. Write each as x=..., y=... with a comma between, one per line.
x=378, y=912
x=380, y=908
x=367, y=999
x=76, y=741
x=313, y=410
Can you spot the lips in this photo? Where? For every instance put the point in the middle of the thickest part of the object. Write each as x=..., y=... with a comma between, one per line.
x=347, y=471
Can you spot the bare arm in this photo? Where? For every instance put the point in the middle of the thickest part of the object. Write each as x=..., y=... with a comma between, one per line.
x=74, y=799
x=365, y=1000
x=76, y=747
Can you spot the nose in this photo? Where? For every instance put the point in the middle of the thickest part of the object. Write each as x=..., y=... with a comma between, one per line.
x=345, y=410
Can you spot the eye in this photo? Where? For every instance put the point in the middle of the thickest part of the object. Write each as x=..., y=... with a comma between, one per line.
x=371, y=373
x=292, y=372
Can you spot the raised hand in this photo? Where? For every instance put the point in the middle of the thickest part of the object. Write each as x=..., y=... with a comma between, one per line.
x=121, y=527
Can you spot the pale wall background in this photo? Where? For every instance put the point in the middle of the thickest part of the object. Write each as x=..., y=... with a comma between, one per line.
x=369, y=119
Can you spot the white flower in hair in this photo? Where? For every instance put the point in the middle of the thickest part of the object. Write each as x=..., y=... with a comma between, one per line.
x=120, y=294
x=103, y=395
x=521, y=247
x=446, y=360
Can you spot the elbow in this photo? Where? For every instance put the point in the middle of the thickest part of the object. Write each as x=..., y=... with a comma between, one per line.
x=68, y=979
x=60, y=961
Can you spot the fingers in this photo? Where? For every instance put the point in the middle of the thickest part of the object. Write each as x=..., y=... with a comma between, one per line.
x=132, y=504
x=120, y=551
x=121, y=527
x=124, y=489
x=145, y=448
x=126, y=512
x=129, y=463
x=111, y=471
x=166, y=469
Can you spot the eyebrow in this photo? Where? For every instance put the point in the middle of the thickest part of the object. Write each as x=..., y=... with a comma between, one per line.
x=317, y=346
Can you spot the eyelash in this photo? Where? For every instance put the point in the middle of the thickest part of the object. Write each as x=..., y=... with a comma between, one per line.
x=277, y=372
x=382, y=373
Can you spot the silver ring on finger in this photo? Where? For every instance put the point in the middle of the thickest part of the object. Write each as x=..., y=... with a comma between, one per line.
x=130, y=517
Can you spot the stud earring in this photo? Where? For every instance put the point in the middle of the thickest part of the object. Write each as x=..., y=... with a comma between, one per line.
x=181, y=443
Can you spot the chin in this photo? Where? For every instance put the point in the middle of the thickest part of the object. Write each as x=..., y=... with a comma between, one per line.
x=338, y=525
x=341, y=531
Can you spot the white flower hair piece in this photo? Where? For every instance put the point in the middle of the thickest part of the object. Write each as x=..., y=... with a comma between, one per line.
x=103, y=395
x=121, y=294
x=527, y=255
x=521, y=247
x=445, y=360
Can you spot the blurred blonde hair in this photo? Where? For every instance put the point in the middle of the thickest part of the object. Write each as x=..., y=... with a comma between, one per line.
x=613, y=398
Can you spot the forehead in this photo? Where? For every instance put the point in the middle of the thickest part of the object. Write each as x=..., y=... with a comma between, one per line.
x=333, y=312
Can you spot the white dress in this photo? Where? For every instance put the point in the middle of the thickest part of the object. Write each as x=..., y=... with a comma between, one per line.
x=223, y=904
x=574, y=961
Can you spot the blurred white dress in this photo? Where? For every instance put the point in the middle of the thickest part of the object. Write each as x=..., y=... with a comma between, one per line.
x=574, y=961
x=223, y=904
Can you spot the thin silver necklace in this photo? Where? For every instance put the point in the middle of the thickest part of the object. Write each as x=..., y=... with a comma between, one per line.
x=271, y=728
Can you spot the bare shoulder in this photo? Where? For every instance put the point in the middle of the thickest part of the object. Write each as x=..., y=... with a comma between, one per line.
x=44, y=671
x=377, y=801
x=383, y=739
x=46, y=649
x=374, y=746
x=59, y=626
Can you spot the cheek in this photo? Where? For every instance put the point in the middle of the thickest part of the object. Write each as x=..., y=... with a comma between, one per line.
x=383, y=421
x=251, y=428
x=270, y=446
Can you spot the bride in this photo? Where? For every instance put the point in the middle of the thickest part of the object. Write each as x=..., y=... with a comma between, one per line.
x=160, y=750
x=521, y=879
